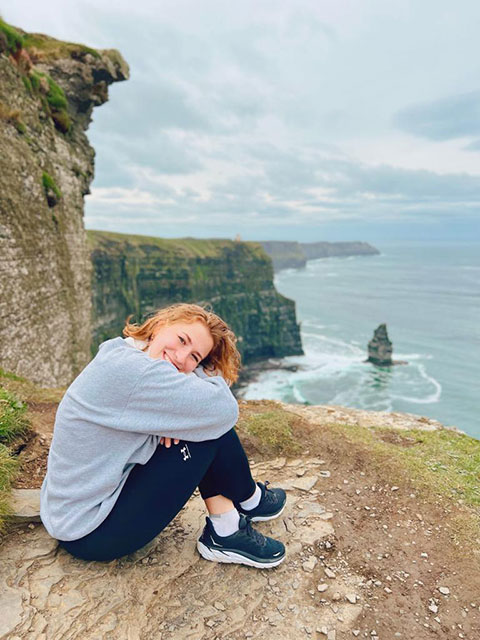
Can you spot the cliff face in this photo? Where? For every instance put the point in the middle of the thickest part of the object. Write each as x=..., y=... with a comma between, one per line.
x=137, y=274
x=287, y=255
x=48, y=90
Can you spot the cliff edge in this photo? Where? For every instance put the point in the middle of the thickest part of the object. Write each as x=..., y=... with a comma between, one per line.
x=48, y=90
x=294, y=255
x=138, y=274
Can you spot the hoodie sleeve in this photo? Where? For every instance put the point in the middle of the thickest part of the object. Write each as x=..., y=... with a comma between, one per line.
x=169, y=403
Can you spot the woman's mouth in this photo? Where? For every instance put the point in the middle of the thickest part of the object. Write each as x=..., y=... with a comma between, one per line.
x=168, y=359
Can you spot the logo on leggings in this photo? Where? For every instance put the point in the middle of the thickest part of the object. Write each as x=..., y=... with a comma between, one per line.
x=185, y=452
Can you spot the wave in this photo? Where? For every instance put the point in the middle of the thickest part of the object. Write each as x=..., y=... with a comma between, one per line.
x=334, y=378
x=430, y=399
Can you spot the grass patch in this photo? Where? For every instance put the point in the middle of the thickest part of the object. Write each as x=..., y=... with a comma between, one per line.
x=48, y=184
x=53, y=99
x=8, y=471
x=13, y=117
x=27, y=83
x=15, y=393
x=47, y=48
x=35, y=80
x=10, y=376
x=13, y=39
x=444, y=460
x=56, y=96
x=13, y=423
x=28, y=391
x=185, y=247
x=440, y=465
x=271, y=431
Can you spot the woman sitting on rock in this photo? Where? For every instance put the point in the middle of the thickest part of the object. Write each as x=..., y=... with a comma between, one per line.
x=114, y=481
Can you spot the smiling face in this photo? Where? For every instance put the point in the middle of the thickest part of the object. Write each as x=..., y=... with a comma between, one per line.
x=184, y=345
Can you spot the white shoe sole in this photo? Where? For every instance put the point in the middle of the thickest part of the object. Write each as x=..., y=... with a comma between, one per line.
x=233, y=558
x=266, y=518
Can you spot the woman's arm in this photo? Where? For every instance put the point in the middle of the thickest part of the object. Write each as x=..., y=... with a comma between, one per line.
x=171, y=404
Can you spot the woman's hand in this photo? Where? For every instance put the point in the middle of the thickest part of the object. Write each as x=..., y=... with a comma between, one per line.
x=168, y=441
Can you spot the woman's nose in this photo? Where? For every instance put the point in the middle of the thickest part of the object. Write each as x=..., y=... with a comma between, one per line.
x=182, y=355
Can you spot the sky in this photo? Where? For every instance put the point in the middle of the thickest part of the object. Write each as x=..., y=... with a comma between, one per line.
x=304, y=120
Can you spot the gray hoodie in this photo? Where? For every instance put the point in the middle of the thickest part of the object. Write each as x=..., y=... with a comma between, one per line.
x=111, y=418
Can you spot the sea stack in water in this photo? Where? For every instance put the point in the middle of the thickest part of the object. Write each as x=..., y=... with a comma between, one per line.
x=380, y=348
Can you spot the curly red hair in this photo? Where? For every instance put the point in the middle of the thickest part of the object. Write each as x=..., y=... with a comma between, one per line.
x=224, y=356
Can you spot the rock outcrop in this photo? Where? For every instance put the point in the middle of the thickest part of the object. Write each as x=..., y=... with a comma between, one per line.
x=137, y=274
x=380, y=349
x=287, y=255
x=48, y=90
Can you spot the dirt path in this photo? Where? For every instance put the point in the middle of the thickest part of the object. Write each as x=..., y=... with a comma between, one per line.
x=365, y=558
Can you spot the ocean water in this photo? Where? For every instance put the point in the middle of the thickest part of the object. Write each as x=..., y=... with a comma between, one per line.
x=429, y=297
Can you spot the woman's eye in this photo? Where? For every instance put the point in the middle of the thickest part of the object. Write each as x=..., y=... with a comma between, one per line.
x=196, y=358
x=182, y=340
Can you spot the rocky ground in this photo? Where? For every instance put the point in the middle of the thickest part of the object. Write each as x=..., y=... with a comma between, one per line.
x=368, y=556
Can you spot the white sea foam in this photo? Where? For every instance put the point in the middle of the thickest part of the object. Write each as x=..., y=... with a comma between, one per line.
x=334, y=372
x=434, y=396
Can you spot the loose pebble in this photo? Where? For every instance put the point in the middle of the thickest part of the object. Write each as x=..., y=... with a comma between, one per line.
x=310, y=564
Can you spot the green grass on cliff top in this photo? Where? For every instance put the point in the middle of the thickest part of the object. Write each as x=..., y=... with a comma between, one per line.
x=46, y=47
x=15, y=393
x=443, y=461
x=13, y=423
x=12, y=36
x=51, y=49
x=190, y=247
x=440, y=467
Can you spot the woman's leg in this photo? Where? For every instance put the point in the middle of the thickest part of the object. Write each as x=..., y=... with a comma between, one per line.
x=228, y=476
x=155, y=492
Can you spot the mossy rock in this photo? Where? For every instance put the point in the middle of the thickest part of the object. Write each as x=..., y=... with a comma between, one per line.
x=10, y=39
x=52, y=192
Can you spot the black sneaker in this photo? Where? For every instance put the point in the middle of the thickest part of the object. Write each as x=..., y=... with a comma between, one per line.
x=271, y=504
x=245, y=546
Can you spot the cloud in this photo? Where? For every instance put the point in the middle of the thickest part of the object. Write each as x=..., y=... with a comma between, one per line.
x=288, y=188
x=473, y=146
x=278, y=115
x=456, y=116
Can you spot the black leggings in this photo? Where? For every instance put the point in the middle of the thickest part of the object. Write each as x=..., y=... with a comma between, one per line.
x=155, y=492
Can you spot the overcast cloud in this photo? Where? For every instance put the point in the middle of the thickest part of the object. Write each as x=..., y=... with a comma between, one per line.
x=299, y=119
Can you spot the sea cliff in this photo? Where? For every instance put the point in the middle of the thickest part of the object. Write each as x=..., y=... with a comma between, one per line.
x=288, y=255
x=60, y=296
x=137, y=274
x=48, y=90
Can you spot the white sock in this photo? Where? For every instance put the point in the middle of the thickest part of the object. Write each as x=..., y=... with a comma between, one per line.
x=253, y=501
x=225, y=523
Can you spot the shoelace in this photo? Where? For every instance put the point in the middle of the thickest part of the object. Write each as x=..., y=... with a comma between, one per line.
x=269, y=495
x=257, y=537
